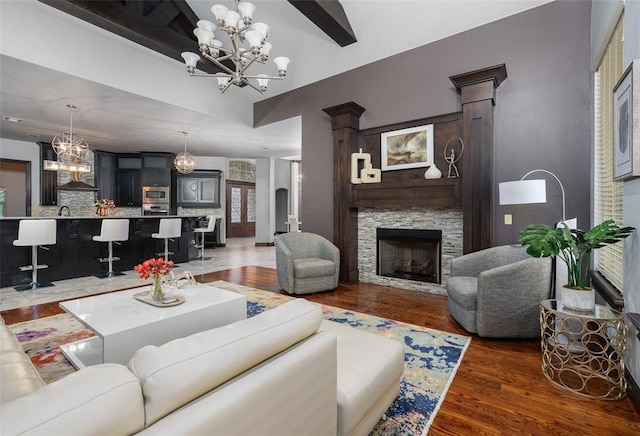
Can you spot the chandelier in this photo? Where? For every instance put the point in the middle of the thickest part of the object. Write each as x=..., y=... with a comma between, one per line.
x=239, y=28
x=184, y=162
x=69, y=148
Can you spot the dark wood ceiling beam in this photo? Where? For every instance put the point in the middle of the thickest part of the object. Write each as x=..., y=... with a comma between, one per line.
x=330, y=17
x=164, y=13
x=121, y=20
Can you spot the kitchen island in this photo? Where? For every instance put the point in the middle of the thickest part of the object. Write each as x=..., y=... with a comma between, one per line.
x=76, y=254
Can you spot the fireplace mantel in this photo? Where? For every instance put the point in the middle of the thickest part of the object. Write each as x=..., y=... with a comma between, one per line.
x=409, y=188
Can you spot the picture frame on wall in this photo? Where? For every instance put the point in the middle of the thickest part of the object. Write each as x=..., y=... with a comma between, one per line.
x=626, y=124
x=407, y=148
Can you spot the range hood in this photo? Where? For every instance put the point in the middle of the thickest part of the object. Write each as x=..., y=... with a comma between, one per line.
x=77, y=186
x=76, y=170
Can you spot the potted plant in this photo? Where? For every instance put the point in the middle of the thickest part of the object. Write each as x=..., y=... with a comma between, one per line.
x=574, y=247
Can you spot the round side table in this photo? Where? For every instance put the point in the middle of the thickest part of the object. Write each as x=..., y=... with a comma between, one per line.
x=583, y=352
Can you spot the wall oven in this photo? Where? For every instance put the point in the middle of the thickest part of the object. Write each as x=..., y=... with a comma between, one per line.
x=155, y=200
x=155, y=209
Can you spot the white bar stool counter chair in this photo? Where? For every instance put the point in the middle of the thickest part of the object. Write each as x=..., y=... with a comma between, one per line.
x=35, y=233
x=169, y=228
x=202, y=230
x=112, y=230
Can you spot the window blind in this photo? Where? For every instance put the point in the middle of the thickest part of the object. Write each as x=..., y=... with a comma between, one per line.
x=608, y=195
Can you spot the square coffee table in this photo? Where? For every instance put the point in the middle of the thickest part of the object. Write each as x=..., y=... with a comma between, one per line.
x=123, y=324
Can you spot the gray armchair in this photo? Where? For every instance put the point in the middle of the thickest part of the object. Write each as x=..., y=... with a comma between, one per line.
x=497, y=292
x=306, y=263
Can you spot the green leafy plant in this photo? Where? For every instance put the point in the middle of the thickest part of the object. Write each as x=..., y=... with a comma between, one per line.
x=573, y=246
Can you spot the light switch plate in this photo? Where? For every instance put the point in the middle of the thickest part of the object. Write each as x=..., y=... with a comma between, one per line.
x=508, y=219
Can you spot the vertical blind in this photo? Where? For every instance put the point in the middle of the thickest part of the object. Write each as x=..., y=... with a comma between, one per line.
x=608, y=195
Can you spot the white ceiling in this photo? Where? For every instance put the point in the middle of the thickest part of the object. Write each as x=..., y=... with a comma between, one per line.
x=115, y=119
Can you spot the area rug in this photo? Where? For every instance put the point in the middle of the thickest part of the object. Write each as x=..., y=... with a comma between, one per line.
x=432, y=357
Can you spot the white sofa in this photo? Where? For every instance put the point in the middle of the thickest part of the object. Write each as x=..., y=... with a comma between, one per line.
x=284, y=372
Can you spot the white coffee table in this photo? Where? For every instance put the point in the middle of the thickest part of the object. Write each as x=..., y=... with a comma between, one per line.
x=123, y=324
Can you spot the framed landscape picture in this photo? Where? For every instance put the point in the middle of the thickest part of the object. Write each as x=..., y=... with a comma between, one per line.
x=626, y=124
x=407, y=148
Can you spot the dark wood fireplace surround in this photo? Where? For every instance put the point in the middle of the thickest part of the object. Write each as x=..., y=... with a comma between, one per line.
x=408, y=188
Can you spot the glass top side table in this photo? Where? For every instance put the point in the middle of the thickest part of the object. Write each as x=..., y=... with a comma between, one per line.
x=583, y=352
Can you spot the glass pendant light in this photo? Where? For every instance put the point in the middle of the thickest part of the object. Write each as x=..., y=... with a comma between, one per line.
x=184, y=162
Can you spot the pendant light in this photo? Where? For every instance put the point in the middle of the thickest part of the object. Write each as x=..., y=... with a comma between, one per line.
x=184, y=162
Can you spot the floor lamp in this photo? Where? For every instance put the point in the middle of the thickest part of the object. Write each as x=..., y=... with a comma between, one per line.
x=535, y=191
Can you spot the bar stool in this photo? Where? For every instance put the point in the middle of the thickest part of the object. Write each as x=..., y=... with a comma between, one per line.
x=169, y=228
x=202, y=230
x=112, y=230
x=35, y=233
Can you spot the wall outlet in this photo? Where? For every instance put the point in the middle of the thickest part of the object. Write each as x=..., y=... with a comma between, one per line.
x=508, y=219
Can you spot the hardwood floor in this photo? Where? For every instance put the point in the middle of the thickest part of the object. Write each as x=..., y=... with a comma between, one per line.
x=499, y=388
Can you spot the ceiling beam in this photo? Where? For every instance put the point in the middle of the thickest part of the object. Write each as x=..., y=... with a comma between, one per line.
x=127, y=20
x=330, y=17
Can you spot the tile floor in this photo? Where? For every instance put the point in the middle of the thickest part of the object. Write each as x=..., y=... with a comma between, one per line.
x=238, y=252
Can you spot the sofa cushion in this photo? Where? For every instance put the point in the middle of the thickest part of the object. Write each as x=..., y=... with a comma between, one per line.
x=101, y=399
x=182, y=370
x=313, y=267
x=464, y=291
x=369, y=367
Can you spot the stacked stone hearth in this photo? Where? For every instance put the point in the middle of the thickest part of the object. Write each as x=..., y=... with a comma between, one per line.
x=369, y=219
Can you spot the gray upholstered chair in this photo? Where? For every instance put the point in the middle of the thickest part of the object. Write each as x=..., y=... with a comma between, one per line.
x=306, y=263
x=497, y=292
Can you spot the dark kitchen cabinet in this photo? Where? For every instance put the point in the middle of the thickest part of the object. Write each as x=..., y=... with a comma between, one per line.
x=156, y=169
x=105, y=174
x=48, y=179
x=199, y=189
x=129, y=181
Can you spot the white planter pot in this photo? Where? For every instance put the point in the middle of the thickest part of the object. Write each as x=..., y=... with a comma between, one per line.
x=578, y=299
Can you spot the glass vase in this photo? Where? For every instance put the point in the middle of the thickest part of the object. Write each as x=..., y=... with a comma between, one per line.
x=157, y=293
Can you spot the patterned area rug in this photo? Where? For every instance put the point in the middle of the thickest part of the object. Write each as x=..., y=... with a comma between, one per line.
x=432, y=357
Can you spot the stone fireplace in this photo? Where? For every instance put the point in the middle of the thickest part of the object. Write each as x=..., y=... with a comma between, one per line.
x=446, y=220
x=410, y=254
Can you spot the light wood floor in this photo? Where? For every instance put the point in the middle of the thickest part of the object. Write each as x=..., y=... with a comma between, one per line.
x=499, y=388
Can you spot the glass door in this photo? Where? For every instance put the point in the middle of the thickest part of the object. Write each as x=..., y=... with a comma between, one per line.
x=241, y=209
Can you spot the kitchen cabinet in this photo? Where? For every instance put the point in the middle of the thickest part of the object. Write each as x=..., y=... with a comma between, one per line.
x=105, y=174
x=199, y=189
x=129, y=181
x=48, y=179
x=156, y=169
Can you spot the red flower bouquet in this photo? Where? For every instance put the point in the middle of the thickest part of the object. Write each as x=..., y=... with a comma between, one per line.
x=154, y=268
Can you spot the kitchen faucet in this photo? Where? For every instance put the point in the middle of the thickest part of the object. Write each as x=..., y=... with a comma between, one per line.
x=64, y=211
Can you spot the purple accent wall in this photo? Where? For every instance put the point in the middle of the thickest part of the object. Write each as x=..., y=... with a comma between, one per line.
x=542, y=116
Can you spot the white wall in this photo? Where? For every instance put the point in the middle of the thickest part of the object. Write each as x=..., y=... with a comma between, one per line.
x=265, y=200
x=282, y=176
x=25, y=151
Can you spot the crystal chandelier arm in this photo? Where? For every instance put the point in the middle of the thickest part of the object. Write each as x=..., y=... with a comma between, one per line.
x=227, y=86
x=264, y=77
x=219, y=63
x=251, y=85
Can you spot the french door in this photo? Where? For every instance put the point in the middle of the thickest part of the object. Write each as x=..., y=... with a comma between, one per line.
x=241, y=209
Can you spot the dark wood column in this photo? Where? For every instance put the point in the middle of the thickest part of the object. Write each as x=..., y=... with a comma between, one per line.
x=478, y=96
x=345, y=123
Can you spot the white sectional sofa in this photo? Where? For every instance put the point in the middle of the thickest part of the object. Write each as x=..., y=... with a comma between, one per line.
x=283, y=372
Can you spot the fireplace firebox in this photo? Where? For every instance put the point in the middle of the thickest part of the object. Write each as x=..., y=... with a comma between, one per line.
x=410, y=254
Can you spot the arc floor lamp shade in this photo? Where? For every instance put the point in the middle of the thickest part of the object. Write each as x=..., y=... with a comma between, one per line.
x=523, y=192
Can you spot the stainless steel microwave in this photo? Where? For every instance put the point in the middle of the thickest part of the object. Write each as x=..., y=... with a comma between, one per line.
x=155, y=194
